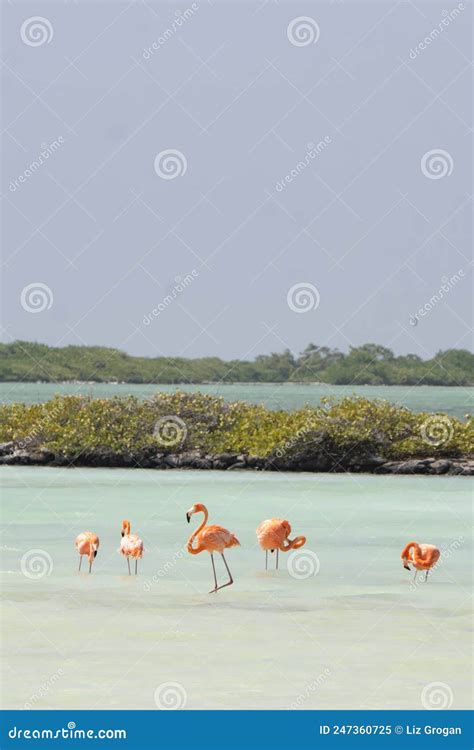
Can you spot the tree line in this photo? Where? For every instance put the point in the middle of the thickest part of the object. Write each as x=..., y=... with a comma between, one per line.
x=368, y=364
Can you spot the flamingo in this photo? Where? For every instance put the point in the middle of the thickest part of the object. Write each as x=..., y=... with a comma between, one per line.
x=273, y=534
x=87, y=543
x=213, y=539
x=130, y=546
x=421, y=556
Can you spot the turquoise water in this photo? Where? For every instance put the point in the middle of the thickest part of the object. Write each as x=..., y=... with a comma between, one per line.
x=456, y=401
x=356, y=634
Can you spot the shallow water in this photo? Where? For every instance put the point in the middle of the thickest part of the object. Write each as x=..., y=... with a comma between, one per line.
x=356, y=634
x=456, y=401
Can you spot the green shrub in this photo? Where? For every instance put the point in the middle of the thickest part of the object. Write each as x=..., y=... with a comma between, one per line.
x=356, y=427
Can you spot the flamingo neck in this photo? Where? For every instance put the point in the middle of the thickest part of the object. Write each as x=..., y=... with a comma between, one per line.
x=416, y=550
x=295, y=543
x=195, y=550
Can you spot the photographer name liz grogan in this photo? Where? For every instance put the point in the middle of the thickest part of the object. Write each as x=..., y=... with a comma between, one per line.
x=381, y=730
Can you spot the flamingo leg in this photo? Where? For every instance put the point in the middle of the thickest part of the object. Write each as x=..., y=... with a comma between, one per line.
x=276, y=561
x=414, y=577
x=231, y=580
x=426, y=575
x=90, y=566
x=136, y=565
x=215, y=577
x=266, y=559
x=80, y=562
x=128, y=563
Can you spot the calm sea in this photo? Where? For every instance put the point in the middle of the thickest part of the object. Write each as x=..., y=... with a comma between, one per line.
x=457, y=401
x=340, y=625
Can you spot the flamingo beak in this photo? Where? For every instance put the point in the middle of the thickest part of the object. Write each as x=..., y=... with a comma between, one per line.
x=123, y=533
x=406, y=567
x=95, y=553
x=188, y=516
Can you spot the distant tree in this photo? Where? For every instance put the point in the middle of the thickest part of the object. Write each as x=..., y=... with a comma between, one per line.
x=370, y=363
x=370, y=352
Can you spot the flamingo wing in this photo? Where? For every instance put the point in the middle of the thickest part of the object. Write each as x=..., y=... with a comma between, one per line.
x=131, y=545
x=272, y=533
x=429, y=554
x=87, y=541
x=216, y=538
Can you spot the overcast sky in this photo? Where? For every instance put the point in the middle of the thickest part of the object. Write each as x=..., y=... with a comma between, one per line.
x=249, y=237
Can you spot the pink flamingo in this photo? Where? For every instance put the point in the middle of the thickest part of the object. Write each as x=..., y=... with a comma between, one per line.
x=213, y=539
x=273, y=534
x=87, y=543
x=421, y=556
x=130, y=546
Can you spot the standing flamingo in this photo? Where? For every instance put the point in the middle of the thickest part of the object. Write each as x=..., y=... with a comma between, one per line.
x=273, y=535
x=87, y=543
x=130, y=546
x=213, y=539
x=421, y=556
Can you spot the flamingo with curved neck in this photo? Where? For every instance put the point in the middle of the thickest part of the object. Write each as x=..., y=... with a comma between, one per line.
x=273, y=534
x=211, y=538
x=421, y=556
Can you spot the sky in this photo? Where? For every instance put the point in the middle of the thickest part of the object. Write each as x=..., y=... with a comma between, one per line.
x=235, y=178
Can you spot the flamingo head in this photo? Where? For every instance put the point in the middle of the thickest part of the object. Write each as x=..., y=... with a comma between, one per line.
x=196, y=508
x=125, y=527
x=405, y=563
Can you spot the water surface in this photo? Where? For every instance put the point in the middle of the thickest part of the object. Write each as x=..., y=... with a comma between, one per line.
x=357, y=634
x=456, y=401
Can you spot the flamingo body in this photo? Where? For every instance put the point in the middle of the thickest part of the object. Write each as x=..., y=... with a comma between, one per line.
x=87, y=544
x=214, y=539
x=131, y=546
